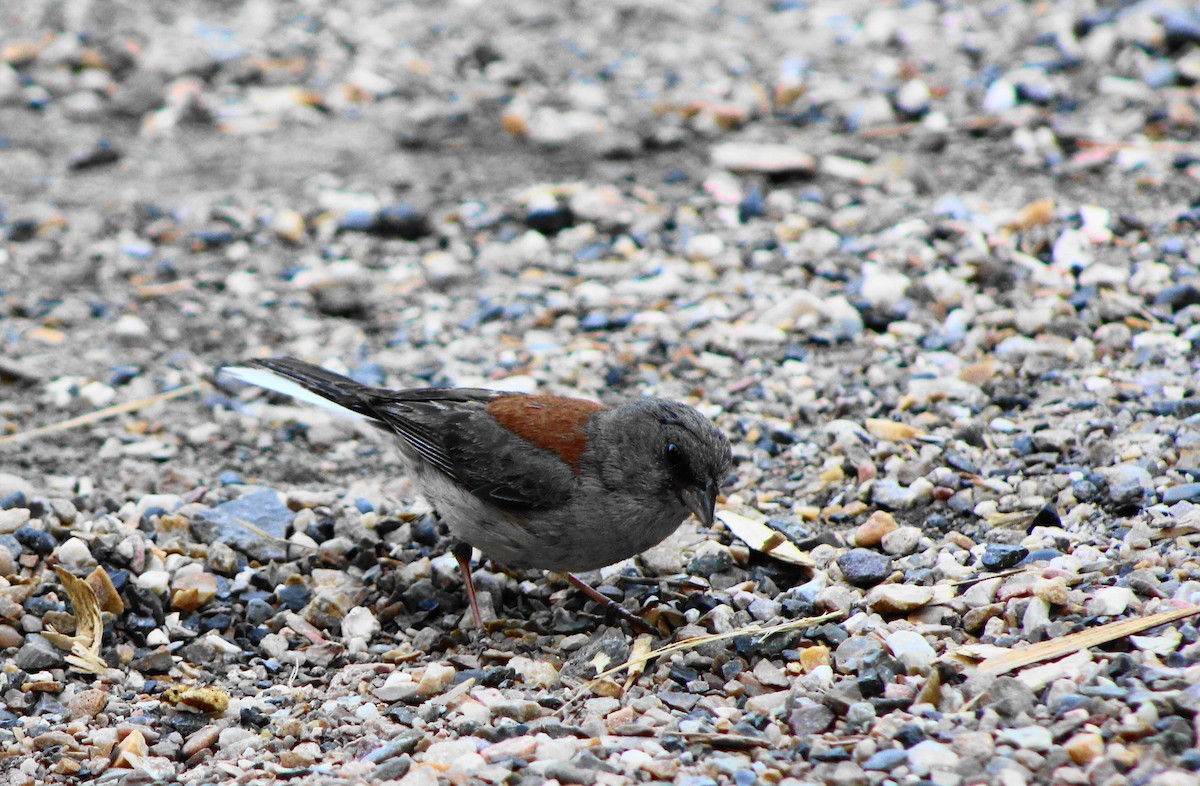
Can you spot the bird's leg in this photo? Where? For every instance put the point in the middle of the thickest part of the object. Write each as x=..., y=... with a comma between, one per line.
x=609, y=603
x=462, y=553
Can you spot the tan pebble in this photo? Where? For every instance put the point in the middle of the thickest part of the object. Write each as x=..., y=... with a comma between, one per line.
x=289, y=225
x=833, y=474
x=898, y=598
x=134, y=745
x=88, y=703
x=10, y=637
x=435, y=679
x=193, y=590
x=66, y=766
x=960, y=540
x=1053, y=591
x=812, y=657
x=515, y=124
x=200, y=740
x=870, y=533
x=618, y=718
x=976, y=618
x=106, y=593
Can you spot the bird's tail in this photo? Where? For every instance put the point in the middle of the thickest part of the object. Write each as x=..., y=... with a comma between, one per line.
x=305, y=382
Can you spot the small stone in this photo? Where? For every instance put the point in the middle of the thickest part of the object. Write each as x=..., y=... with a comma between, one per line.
x=1128, y=484
x=930, y=756
x=901, y=541
x=130, y=328
x=997, y=556
x=10, y=637
x=38, y=654
x=710, y=557
x=856, y=652
x=359, y=624
x=807, y=717
x=1034, y=738
x=13, y=519
x=774, y=159
x=398, y=686
x=864, y=568
x=1010, y=697
x=288, y=225
x=402, y=221
x=1085, y=747
x=886, y=760
x=87, y=703
x=37, y=541
x=767, y=704
x=75, y=556
x=263, y=510
x=193, y=590
x=913, y=650
x=435, y=679
x=1189, y=492
x=156, y=661
x=1054, y=591
x=872, y=531
x=764, y=609
x=1109, y=601
x=891, y=494
x=898, y=598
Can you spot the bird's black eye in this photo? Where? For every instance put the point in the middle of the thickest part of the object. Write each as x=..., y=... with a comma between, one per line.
x=672, y=453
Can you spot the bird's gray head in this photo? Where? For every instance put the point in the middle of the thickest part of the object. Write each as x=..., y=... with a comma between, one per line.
x=667, y=451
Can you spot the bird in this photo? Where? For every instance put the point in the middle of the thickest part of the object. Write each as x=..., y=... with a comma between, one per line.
x=534, y=481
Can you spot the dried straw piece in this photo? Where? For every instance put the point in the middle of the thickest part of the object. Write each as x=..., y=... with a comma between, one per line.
x=100, y=414
x=1056, y=648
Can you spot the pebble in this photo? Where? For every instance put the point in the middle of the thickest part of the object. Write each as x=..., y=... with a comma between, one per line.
x=997, y=557
x=901, y=541
x=871, y=532
x=886, y=760
x=929, y=757
x=435, y=679
x=912, y=649
x=1110, y=601
x=37, y=654
x=264, y=510
x=855, y=652
x=1034, y=738
x=772, y=159
x=898, y=598
x=864, y=568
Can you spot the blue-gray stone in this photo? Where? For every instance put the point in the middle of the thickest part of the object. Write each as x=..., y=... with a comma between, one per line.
x=1184, y=491
x=886, y=760
x=864, y=568
x=1001, y=557
x=256, y=525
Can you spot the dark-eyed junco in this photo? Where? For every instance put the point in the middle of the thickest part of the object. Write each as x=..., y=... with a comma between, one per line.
x=533, y=481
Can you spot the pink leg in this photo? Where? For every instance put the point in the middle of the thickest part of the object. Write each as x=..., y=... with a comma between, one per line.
x=608, y=603
x=462, y=553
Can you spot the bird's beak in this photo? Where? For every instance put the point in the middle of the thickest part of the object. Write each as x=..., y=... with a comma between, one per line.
x=702, y=502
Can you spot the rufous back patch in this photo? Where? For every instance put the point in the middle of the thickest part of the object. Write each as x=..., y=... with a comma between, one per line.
x=554, y=423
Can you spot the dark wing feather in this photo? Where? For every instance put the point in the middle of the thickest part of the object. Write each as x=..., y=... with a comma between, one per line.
x=450, y=429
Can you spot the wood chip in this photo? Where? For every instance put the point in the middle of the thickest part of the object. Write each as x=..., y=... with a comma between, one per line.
x=1009, y=660
x=762, y=538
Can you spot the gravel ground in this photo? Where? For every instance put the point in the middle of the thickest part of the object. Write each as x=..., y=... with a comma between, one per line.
x=932, y=267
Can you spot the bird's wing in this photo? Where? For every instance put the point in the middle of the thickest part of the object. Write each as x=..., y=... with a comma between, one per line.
x=453, y=430
x=449, y=428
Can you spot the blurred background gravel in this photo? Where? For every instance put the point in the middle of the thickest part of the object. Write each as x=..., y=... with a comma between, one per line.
x=933, y=268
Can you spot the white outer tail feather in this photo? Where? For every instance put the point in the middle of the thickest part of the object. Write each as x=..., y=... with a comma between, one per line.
x=265, y=378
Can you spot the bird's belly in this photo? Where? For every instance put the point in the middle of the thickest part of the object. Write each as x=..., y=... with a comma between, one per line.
x=572, y=538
